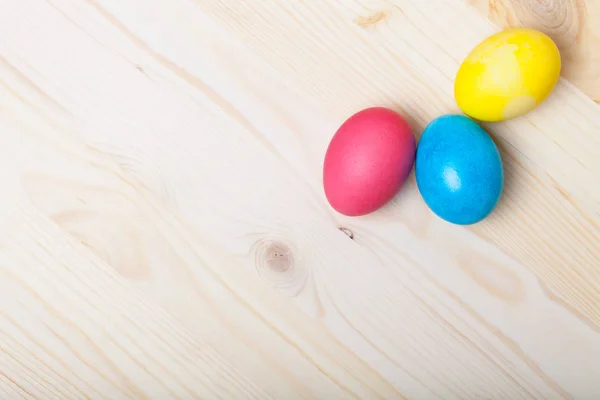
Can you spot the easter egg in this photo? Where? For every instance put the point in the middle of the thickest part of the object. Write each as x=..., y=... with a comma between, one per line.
x=367, y=161
x=507, y=75
x=458, y=170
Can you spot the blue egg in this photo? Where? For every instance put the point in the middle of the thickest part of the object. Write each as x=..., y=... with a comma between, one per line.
x=459, y=170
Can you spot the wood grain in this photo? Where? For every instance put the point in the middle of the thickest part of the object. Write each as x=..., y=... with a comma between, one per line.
x=573, y=24
x=164, y=232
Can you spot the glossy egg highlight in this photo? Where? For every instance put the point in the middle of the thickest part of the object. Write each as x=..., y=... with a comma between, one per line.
x=367, y=161
x=458, y=169
x=507, y=75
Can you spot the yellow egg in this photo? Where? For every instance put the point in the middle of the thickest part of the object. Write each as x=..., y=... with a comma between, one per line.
x=507, y=75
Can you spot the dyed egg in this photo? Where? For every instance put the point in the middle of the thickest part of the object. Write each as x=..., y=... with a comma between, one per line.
x=507, y=75
x=367, y=161
x=459, y=170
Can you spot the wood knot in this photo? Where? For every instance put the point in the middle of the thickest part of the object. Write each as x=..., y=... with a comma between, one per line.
x=278, y=257
x=347, y=232
x=276, y=264
x=372, y=19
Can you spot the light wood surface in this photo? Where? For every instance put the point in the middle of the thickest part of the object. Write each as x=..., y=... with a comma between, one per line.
x=164, y=232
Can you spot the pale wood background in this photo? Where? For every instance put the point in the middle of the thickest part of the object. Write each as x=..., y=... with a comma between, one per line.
x=164, y=233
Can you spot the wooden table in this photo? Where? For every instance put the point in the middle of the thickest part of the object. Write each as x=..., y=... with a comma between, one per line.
x=164, y=232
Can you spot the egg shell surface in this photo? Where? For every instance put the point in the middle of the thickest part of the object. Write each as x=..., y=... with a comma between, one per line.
x=368, y=160
x=459, y=170
x=507, y=75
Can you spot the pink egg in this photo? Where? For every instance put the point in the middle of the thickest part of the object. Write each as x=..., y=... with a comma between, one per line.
x=368, y=161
